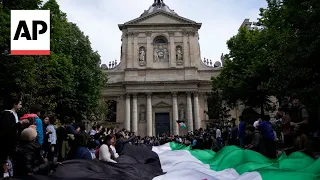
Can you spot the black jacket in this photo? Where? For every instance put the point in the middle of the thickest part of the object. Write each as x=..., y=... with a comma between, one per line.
x=29, y=160
x=121, y=142
x=8, y=134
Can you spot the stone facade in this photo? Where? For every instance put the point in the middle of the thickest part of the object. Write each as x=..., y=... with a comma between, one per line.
x=161, y=77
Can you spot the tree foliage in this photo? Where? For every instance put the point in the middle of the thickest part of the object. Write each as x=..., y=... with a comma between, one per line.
x=279, y=59
x=68, y=82
x=217, y=109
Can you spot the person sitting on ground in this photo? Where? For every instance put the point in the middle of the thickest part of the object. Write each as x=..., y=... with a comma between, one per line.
x=257, y=142
x=121, y=142
x=29, y=159
x=105, y=152
x=79, y=148
x=300, y=143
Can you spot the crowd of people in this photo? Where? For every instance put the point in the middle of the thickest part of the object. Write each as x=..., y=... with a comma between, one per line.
x=34, y=146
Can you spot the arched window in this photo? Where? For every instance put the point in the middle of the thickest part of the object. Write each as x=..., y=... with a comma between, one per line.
x=160, y=40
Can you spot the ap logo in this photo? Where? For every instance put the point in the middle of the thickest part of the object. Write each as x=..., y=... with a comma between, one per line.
x=30, y=32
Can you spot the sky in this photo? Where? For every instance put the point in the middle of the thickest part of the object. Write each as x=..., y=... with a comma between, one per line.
x=220, y=20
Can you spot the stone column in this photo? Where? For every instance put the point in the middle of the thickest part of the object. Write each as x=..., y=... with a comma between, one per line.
x=135, y=50
x=127, y=120
x=124, y=40
x=189, y=111
x=175, y=114
x=186, y=49
x=149, y=49
x=172, y=50
x=197, y=120
x=192, y=50
x=205, y=97
x=135, y=113
x=149, y=115
x=129, y=51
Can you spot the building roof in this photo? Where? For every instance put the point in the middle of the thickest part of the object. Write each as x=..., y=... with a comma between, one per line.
x=158, y=5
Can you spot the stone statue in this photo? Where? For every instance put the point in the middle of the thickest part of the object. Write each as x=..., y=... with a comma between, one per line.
x=181, y=112
x=142, y=56
x=142, y=114
x=179, y=54
x=155, y=55
x=160, y=54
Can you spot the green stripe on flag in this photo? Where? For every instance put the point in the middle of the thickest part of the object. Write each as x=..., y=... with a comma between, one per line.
x=296, y=166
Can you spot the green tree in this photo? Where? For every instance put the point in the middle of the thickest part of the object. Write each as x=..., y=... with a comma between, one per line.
x=87, y=78
x=68, y=82
x=217, y=109
x=245, y=70
x=17, y=72
x=293, y=58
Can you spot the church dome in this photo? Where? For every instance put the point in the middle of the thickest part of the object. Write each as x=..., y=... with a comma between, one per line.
x=158, y=5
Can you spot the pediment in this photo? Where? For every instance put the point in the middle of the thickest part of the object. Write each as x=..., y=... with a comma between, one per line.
x=162, y=104
x=160, y=17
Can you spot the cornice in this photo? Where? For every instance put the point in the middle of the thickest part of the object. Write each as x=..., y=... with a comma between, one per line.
x=166, y=82
x=156, y=25
x=139, y=19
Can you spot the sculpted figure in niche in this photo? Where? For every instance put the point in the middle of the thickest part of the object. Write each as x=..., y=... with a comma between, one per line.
x=181, y=112
x=142, y=56
x=161, y=54
x=155, y=55
x=142, y=113
x=179, y=54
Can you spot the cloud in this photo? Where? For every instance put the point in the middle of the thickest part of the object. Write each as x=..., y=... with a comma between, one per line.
x=99, y=20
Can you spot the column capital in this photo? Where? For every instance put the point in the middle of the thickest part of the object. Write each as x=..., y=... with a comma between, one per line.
x=128, y=95
x=195, y=93
x=185, y=32
x=171, y=33
x=129, y=34
x=149, y=94
x=134, y=95
x=135, y=34
x=149, y=33
x=174, y=94
x=188, y=93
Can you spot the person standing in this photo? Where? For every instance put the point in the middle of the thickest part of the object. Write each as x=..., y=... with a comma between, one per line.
x=37, y=111
x=9, y=126
x=52, y=138
x=241, y=131
x=267, y=132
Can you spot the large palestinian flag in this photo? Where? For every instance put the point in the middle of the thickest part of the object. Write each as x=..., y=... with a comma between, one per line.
x=174, y=162
x=233, y=163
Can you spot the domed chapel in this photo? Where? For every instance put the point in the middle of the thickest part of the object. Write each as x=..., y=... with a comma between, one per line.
x=161, y=77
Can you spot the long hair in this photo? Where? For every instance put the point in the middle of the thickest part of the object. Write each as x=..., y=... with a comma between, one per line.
x=114, y=143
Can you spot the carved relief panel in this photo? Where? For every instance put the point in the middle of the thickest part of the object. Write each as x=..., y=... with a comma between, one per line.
x=160, y=51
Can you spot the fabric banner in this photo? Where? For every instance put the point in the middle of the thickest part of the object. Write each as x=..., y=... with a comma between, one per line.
x=173, y=161
x=233, y=163
x=136, y=163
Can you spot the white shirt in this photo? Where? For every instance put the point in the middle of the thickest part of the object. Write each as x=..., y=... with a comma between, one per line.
x=218, y=133
x=256, y=124
x=104, y=154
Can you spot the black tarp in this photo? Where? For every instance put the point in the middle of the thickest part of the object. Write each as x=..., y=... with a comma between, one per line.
x=136, y=163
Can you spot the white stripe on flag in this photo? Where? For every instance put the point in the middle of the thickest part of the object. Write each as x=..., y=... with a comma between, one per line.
x=180, y=164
